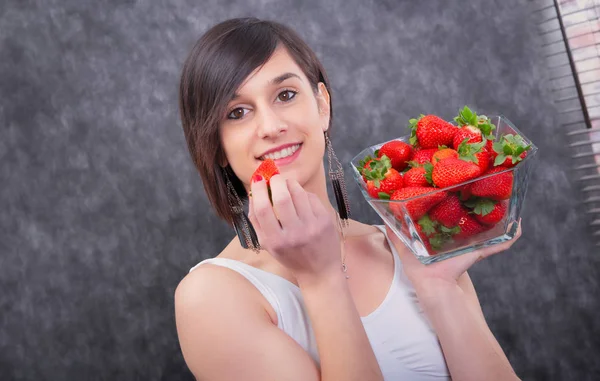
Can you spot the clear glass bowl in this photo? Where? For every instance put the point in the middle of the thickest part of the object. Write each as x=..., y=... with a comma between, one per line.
x=394, y=213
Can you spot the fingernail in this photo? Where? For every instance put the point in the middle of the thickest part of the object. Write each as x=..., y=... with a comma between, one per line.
x=256, y=178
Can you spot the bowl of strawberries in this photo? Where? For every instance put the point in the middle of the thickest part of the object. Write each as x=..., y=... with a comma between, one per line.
x=449, y=188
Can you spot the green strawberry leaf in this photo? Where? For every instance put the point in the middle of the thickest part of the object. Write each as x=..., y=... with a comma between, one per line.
x=499, y=160
x=427, y=225
x=383, y=195
x=436, y=242
x=376, y=153
x=414, y=164
x=428, y=171
x=484, y=206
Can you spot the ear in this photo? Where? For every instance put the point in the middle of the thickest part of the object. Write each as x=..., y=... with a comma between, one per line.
x=323, y=101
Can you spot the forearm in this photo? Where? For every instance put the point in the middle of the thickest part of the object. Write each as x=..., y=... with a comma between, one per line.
x=471, y=350
x=344, y=348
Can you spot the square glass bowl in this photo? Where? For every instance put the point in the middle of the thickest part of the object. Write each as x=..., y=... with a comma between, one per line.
x=396, y=215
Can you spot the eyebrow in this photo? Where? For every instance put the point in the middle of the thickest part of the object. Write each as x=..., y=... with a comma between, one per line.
x=275, y=81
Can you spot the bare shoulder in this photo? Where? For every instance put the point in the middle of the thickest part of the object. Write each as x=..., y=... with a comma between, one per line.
x=219, y=318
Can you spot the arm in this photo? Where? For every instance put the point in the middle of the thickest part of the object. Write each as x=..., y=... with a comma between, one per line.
x=451, y=305
x=471, y=350
x=225, y=334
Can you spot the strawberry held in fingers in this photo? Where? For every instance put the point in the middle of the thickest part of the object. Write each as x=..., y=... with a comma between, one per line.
x=452, y=171
x=430, y=131
x=265, y=170
x=418, y=207
x=497, y=187
x=382, y=179
x=399, y=152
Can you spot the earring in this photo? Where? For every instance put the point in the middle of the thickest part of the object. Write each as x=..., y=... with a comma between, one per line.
x=336, y=175
x=241, y=223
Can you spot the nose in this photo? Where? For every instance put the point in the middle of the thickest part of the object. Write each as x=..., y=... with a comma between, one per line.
x=269, y=124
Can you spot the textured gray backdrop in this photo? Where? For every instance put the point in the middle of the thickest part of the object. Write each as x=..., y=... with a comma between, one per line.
x=102, y=213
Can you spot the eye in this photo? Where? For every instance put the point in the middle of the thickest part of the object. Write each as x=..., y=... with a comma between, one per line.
x=237, y=113
x=287, y=95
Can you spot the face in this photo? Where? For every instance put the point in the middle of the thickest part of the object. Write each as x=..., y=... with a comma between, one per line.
x=276, y=114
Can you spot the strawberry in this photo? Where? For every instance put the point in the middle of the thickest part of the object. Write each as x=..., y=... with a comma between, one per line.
x=510, y=150
x=470, y=133
x=452, y=171
x=266, y=169
x=476, y=153
x=443, y=154
x=486, y=211
x=418, y=207
x=448, y=212
x=430, y=131
x=365, y=164
x=382, y=179
x=498, y=187
x=419, y=176
x=422, y=156
x=400, y=153
x=475, y=128
x=434, y=235
x=469, y=226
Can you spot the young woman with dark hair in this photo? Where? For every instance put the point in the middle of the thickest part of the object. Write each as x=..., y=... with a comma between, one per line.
x=319, y=297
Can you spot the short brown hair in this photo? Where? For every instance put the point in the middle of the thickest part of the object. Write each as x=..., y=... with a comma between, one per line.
x=216, y=66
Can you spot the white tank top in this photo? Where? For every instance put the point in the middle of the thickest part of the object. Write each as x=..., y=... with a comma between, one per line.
x=405, y=345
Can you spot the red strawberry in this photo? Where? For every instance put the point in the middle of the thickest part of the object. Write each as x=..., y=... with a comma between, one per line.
x=498, y=187
x=448, y=212
x=418, y=176
x=400, y=153
x=469, y=133
x=266, y=169
x=418, y=207
x=469, y=226
x=443, y=153
x=488, y=212
x=452, y=171
x=422, y=156
x=510, y=150
x=365, y=164
x=382, y=179
x=430, y=131
x=476, y=153
x=474, y=127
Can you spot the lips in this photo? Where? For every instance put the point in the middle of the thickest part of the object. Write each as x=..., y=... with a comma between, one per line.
x=278, y=149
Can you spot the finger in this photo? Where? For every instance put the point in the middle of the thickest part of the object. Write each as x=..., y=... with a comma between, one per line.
x=300, y=199
x=316, y=205
x=282, y=201
x=262, y=209
x=254, y=221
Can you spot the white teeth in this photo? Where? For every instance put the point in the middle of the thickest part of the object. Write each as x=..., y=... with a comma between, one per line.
x=282, y=153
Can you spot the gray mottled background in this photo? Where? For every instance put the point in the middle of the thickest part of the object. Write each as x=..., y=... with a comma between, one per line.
x=102, y=212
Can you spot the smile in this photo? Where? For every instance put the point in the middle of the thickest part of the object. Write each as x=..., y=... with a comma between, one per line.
x=281, y=154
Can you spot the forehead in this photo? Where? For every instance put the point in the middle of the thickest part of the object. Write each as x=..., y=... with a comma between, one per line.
x=279, y=63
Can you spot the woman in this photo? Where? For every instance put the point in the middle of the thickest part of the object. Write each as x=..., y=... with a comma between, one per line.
x=252, y=89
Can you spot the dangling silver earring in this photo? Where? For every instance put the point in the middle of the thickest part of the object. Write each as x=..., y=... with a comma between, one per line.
x=336, y=175
x=242, y=225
